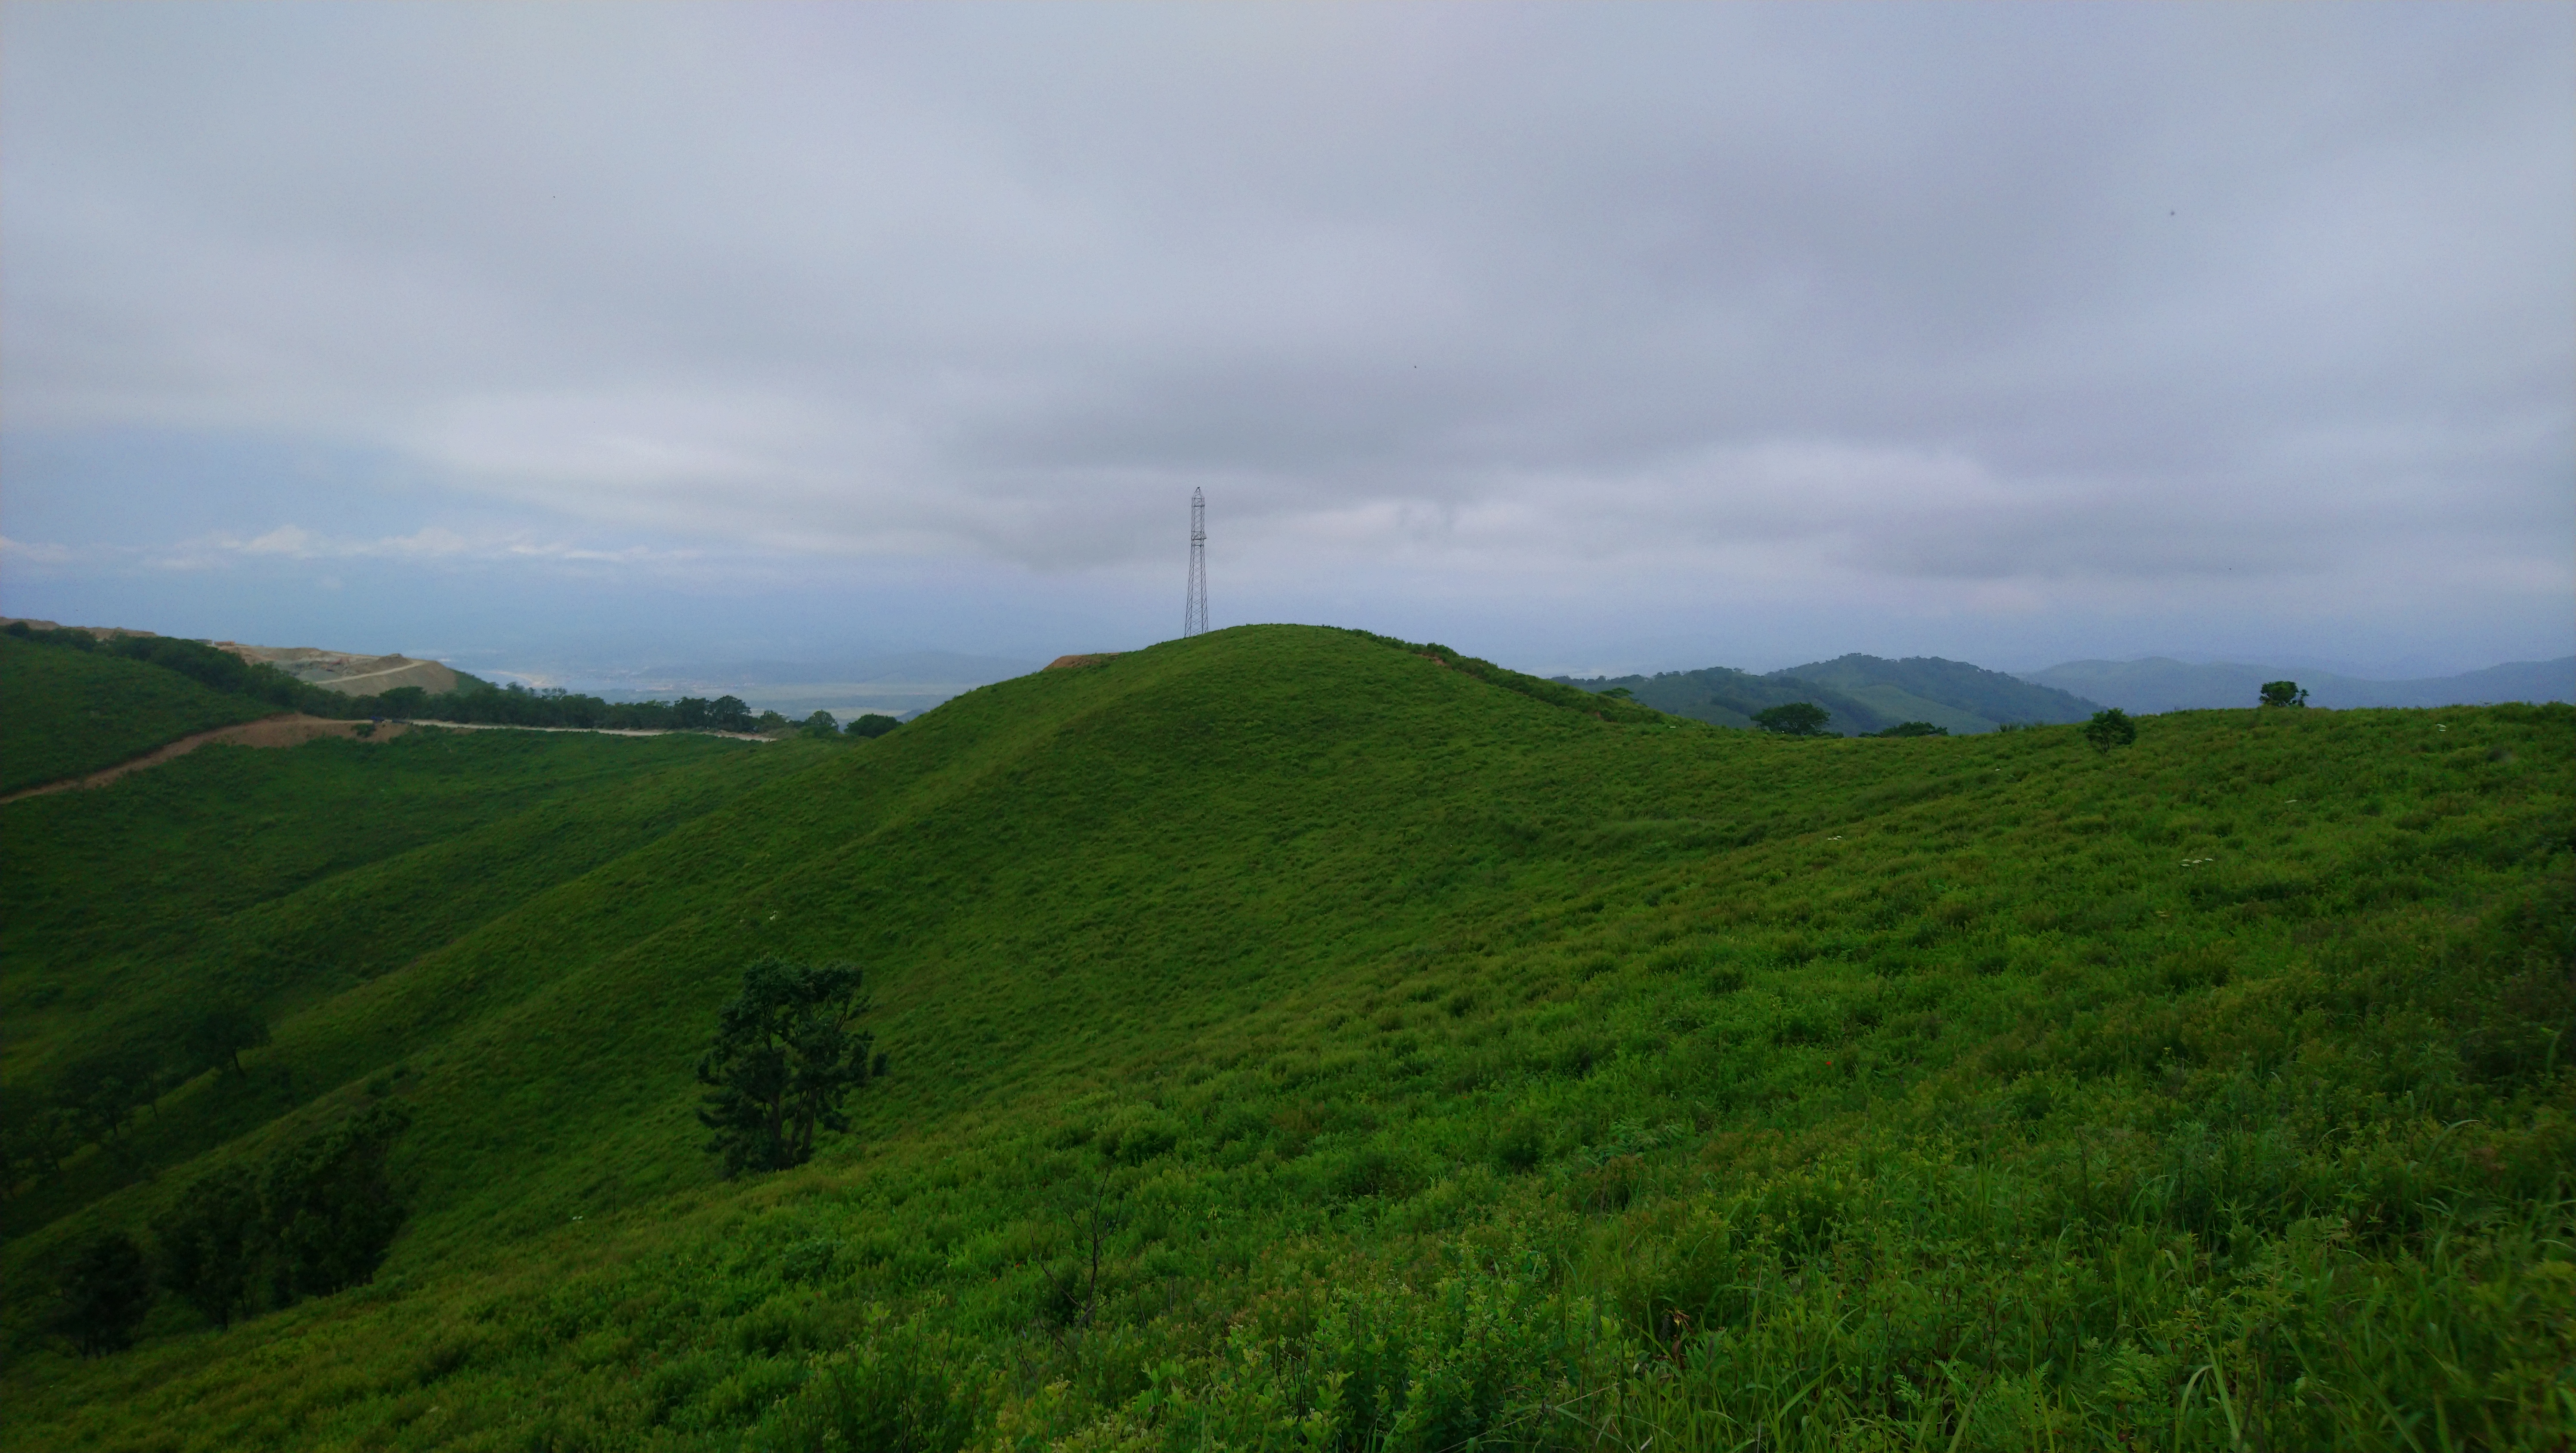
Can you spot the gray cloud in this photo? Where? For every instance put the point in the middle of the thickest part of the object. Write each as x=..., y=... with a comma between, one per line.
x=1955, y=309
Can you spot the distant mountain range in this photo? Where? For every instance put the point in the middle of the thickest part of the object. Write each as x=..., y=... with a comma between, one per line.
x=1871, y=693
x=2162, y=684
x=1864, y=694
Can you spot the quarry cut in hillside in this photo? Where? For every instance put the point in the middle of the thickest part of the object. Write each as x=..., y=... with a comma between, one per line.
x=348, y=673
x=351, y=673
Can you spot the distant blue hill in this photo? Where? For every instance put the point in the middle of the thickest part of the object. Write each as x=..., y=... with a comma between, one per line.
x=2160, y=683
x=1864, y=694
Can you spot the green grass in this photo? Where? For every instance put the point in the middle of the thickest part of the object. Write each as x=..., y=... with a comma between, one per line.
x=64, y=713
x=1438, y=1067
x=285, y=879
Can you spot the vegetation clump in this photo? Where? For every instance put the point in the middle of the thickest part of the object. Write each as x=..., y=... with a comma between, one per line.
x=105, y=1293
x=786, y=1056
x=1794, y=719
x=2283, y=693
x=2111, y=728
x=316, y=1218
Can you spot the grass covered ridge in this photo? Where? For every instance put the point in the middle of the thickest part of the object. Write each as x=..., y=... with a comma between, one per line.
x=1301, y=1042
x=67, y=713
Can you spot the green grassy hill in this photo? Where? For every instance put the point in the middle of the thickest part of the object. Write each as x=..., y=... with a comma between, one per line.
x=65, y=713
x=1950, y=694
x=1301, y=1041
x=282, y=880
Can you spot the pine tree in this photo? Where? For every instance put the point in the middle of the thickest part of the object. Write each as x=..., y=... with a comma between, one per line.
x=785, y=1055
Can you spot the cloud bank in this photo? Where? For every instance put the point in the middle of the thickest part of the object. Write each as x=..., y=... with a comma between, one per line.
x=1610, y=332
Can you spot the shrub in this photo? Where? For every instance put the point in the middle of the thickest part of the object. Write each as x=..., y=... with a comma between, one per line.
x=209, y=1243
x=104, y=1295
x=2111, y=728
x=893, y=1396
x=1794, y=719
x=328, y=1207
x=786, y=1054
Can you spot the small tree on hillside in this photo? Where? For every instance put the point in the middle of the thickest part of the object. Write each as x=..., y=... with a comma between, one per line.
x=2111, y=728
x=1794, y=719
x=328, y=1208
x=2283, y=693
x=787, y=1052
x=820, y=724
x=35, y=1135
x=872, y=724
x=210, y=1242
x=104, y=1295
x=98, y=1095
x=222, y=1032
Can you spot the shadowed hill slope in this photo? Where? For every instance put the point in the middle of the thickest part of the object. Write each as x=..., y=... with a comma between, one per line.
x=280, y=881
x=1865, y=694
x=1724, y=696
x=1950, y=694
x=65, y=713
x=1301, y=1039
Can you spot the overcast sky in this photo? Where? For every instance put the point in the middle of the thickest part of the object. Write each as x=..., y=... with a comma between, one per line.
x=1582, y=337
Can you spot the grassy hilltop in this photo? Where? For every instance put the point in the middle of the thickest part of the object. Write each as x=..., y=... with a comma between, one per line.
x=1300, y=1040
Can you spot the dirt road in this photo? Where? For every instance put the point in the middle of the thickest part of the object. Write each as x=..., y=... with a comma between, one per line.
x=293, y=730
x=287, y=730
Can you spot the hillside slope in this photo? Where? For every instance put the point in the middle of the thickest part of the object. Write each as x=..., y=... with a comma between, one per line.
x=1724, y=696
x=1864, y=694
x=278, y=880
x=1950, y=694
x=1299, y=1041
x=65, y=713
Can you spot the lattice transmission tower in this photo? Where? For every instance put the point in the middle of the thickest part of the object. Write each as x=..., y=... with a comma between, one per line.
x=1194, y=610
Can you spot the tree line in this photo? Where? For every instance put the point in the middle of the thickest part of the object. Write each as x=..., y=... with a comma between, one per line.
x=316, y=1216
x=95, y=1099
x=319, y=1214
